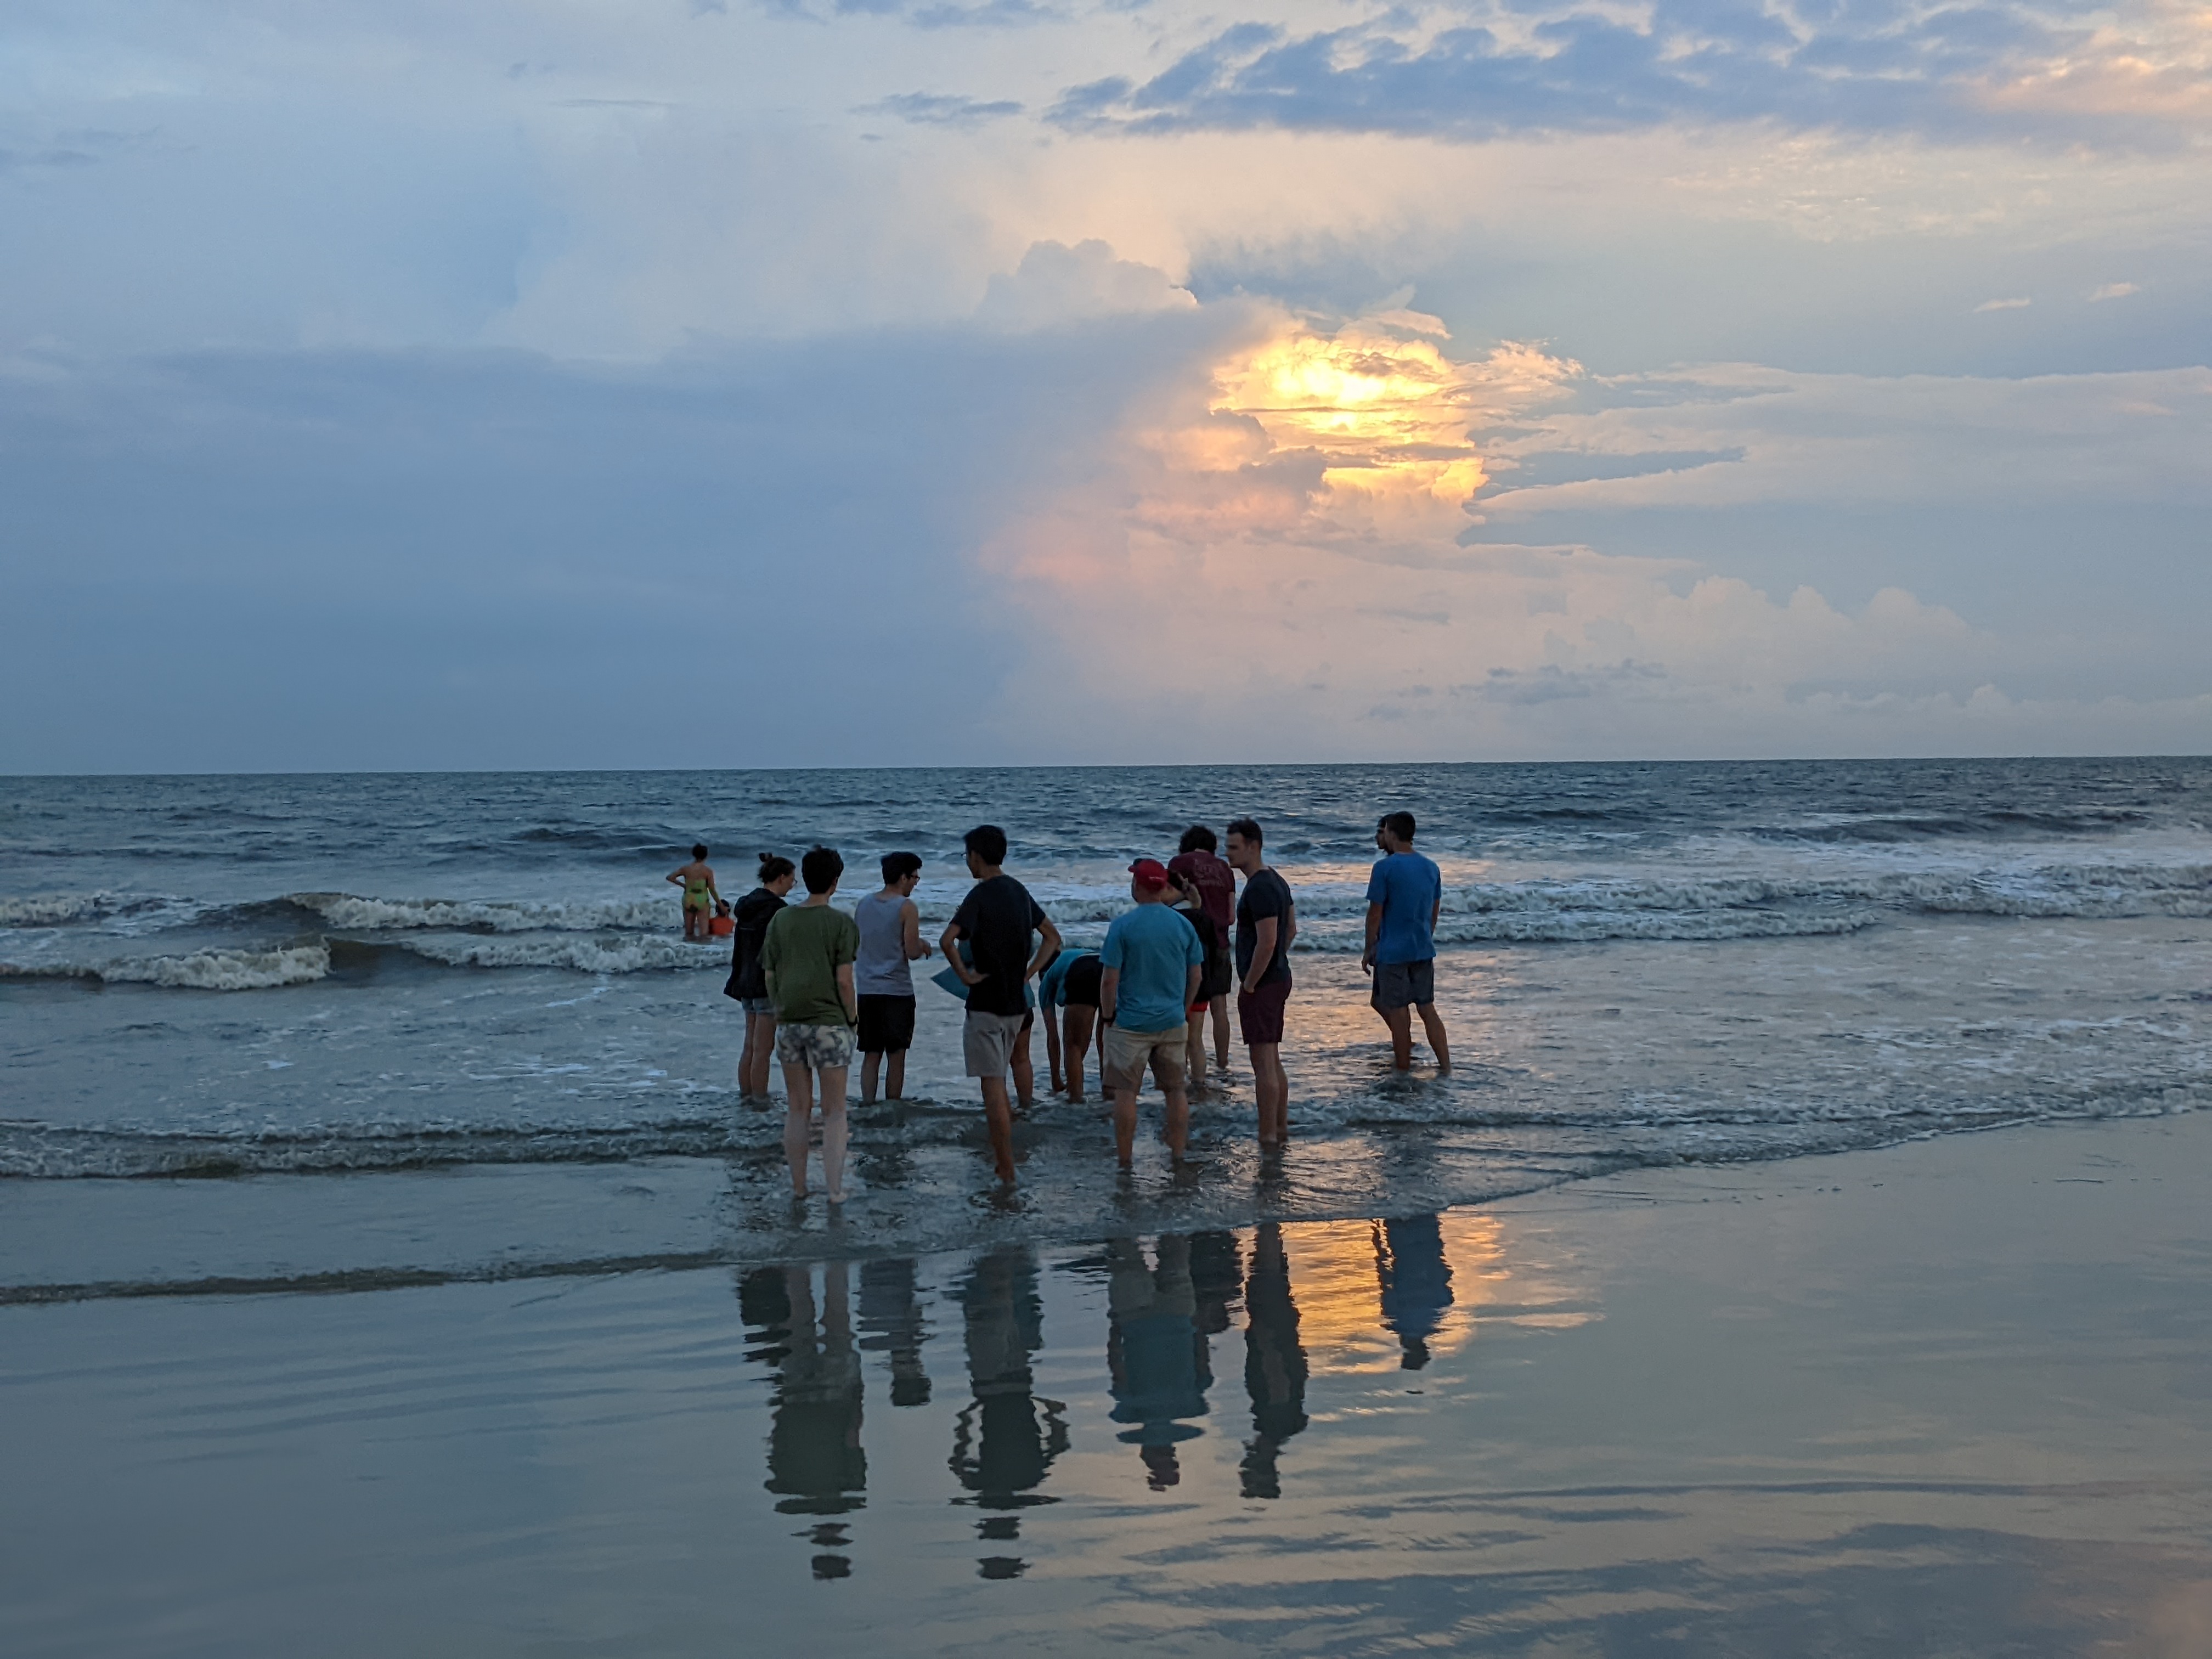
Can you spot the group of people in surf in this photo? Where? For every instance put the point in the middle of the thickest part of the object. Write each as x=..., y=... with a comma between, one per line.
x=818, y=983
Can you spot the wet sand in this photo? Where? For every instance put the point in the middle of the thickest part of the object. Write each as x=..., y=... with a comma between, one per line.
x=1953, y=1397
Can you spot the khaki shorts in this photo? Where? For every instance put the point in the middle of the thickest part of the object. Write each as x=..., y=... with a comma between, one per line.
x=988, y=1041
x=1123, y=1056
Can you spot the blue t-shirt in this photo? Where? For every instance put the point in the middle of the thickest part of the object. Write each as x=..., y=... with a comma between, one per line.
x=1406, y=887
x=1052, y=984
x=1153, y=947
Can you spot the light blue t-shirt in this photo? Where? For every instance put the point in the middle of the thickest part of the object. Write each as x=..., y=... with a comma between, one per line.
x=1052, y=984
x=1153, y=946
x=1406, y=887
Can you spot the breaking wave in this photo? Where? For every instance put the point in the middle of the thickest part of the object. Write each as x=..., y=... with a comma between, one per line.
x=485, y=915
x=201, y=970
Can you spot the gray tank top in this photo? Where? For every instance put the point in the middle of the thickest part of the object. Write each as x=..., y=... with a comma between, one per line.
x=881, y=969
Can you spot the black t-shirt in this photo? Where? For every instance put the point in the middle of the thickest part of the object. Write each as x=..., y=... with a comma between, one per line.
x=998, y=919
x=754, y=913
x=1265, y=895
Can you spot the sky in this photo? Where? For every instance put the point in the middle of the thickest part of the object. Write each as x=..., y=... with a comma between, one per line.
x=664, y=383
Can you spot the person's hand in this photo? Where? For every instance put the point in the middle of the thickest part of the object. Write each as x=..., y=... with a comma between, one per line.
x=1367, y=962
x=927, y=950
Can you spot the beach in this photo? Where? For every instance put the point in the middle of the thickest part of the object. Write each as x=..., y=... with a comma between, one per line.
x=1943, y=1397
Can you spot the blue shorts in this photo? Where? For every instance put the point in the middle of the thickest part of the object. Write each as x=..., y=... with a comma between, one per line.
x=1404, y=985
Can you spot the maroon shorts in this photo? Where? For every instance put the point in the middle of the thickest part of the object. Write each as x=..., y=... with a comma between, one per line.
x=1259, y=1013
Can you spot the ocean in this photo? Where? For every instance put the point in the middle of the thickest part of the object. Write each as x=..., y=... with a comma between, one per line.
x=329, y=980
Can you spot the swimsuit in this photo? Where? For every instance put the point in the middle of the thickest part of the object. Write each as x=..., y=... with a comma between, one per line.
x=695, y=893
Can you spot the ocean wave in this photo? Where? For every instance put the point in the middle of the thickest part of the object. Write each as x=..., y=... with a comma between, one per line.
x=486, y=916
x=52, y=909
x=603, y=955
x=201, y=970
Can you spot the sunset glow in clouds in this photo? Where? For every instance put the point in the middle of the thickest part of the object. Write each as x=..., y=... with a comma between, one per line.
x=1103, y=383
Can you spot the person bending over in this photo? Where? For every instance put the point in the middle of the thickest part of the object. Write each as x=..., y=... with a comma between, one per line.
x=754, y=913
x=1405, y=894
x=808, y=959
x=1267, y=922
x=890, y=938
x=696, y=878
x=1067, y=996
x=1148, y=978
x=998, y=920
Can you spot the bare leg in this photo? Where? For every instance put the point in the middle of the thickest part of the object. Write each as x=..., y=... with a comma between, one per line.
x=1400, y=1022
x=895, y=1075
x=760, y=1043
x=1194, y=1052
x=1025, y=1073
x=869, y=1062
x=798, y=1119
x=999, y=1114
x=1177, y=1122
x=1221, y=1031
x=1079, y=1021
x=1125, y=1122
x=1432, y=1023
x=834, y=1132
x=1268, y=1090
x=1051, y=1046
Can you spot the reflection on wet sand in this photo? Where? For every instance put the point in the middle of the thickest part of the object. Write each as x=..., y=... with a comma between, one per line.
x=1157, y=1358
x=1415, y=1283
x=815, y=1462
x=1006, y=1438
x=1274, y=1363
x=892, y=1316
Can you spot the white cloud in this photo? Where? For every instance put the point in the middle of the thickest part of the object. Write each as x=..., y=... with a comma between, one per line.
x=2113, y=291
x=2003, y=305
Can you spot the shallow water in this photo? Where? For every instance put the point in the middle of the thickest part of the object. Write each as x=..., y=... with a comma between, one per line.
x=1944, y=1400
x=1643, y=964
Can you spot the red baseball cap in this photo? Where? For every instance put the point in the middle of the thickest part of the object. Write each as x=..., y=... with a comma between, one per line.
x=1150, y=872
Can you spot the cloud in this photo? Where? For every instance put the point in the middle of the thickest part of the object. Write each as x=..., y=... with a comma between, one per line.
x=2113, y=291
x=1056, y=284
x=2002, y=304
x=1478, y=72
x=941, y=110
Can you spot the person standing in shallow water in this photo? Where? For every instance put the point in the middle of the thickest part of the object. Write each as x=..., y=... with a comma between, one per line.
x=1149, y=974
x=1404, y=895
x=890, y=938
x=998, y=919
x=808, y=959
x=1213, y=884
x=1267, y=922
x=696, y=878
x=746, y=984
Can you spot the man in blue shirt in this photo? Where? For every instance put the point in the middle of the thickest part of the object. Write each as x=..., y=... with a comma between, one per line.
x=1148, y=978
x=1404, y=894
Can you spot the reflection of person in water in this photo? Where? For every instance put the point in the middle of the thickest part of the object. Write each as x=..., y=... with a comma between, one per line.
x=892, y=1320
x=1274, y=1363
x=815, y=1462
x=1416, y=1283
x=1155, y=1356
x=1006, y=1438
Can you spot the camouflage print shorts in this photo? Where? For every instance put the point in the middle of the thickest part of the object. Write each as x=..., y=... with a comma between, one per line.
x=824, y=1047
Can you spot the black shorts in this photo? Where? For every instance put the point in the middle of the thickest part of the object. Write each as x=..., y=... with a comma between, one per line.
x=886, y=1024
x=1079, y=989
x=1404, y=985
x=1259, y=1013
x=1220, y=973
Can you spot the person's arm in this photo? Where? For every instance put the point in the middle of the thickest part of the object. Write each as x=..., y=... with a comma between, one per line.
x=677, y=877
x=1109, y=984
x=1374, y=933
x=955, y=931
x=766, y=959
x=1191, y=975
x=1290, y=927
x=711, y=887
x=1049, y=947
x=911, y=919
x=845, y=993
x=1263, y=951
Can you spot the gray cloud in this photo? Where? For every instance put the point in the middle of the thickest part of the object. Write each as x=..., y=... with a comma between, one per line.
x=1563, y=68
x=942, y=109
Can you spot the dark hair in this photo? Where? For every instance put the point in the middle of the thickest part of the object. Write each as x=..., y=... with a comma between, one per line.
x=1400, y=824
x=699, y=849
x=1249, y=828
x=1198, y=837
x=897, y=865
x=988, y=842
x=774, y=867
x=819, y=869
